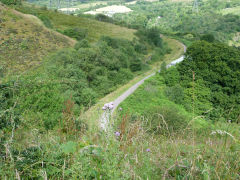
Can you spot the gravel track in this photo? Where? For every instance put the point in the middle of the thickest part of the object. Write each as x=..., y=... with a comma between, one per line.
x=105, y=118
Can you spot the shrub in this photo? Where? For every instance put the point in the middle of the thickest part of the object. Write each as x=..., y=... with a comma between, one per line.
x=104, y=18
x=214, y=67
x=151, y=36
x=175, y=93
x=82, y=44
x=40, y=102
x=9, y=114
x=164, y=120
x=77, y=33
x=171, y=76
x=136, y=65
x=46, y=21
x=11, y=2
x=208, y=37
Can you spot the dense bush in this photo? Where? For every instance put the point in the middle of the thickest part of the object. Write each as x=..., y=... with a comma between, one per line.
x=30, y=101
x=164, y=120
x=76, y=33
x=210, y=74
x=104, y=18
x=82, y=74
x=82, y=44
x=207, y=37
x=9, y=116
x=45, y=21
x=175, y=93
x=152, y=36
x=11, y=2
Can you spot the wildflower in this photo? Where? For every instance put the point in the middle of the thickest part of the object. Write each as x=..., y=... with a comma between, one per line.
x=120, y=109
x=148, y=150
x=117, y=133
x=108, y=106
x=104, y=108
x=222, y=133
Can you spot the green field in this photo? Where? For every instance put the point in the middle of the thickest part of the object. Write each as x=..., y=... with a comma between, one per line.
x=95, y=28
x=234, y=10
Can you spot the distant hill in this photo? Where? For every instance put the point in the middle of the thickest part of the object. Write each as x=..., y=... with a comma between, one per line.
x=29, y=33
x=24, y=41
x=60, y=22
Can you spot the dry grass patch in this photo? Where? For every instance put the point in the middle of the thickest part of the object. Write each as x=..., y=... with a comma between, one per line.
x=25, y=41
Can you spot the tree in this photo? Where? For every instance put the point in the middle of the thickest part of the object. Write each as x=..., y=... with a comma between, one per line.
x=208, y=37
x=217, y=67
x=11, y=2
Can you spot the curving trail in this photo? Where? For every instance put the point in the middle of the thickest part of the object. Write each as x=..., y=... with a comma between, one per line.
x=105, y=118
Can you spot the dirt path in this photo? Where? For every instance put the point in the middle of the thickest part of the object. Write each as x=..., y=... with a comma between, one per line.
x=105, y=118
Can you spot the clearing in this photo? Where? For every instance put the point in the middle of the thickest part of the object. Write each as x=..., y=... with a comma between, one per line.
x=110, y=10
x=234, y=10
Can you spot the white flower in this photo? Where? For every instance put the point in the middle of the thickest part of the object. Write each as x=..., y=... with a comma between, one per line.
x=220, y=132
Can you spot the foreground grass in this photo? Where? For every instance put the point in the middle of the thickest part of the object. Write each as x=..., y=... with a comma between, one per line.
x=198, y=150
x=135, y=154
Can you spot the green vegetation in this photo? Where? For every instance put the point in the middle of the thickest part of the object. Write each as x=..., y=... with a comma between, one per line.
x=11, y=2
x=205, y=83
x=216, y=80
x=25, y=41
x=76, y=33
x=179, y=18
x=62, y=22
x=182, y=123
x=184, y=108
x=233, y=10
x=82, y=74
x=51, y=98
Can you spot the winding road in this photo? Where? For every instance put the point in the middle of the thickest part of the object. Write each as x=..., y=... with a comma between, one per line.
x=105, y=118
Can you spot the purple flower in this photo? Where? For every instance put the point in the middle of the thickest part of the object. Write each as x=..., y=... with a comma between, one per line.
x=117, y=133
x=120, y=109
x=108, y=106
x=148, y=150
x=104, y=108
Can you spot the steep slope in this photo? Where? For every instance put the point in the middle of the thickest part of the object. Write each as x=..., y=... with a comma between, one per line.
x=24, y=41
x=95, y=29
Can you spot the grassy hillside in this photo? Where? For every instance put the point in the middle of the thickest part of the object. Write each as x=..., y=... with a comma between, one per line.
x=27, y=38
x=82, y=74
x=182, y=123
x=25, y=41
x=180, y=129
x=61, y=22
